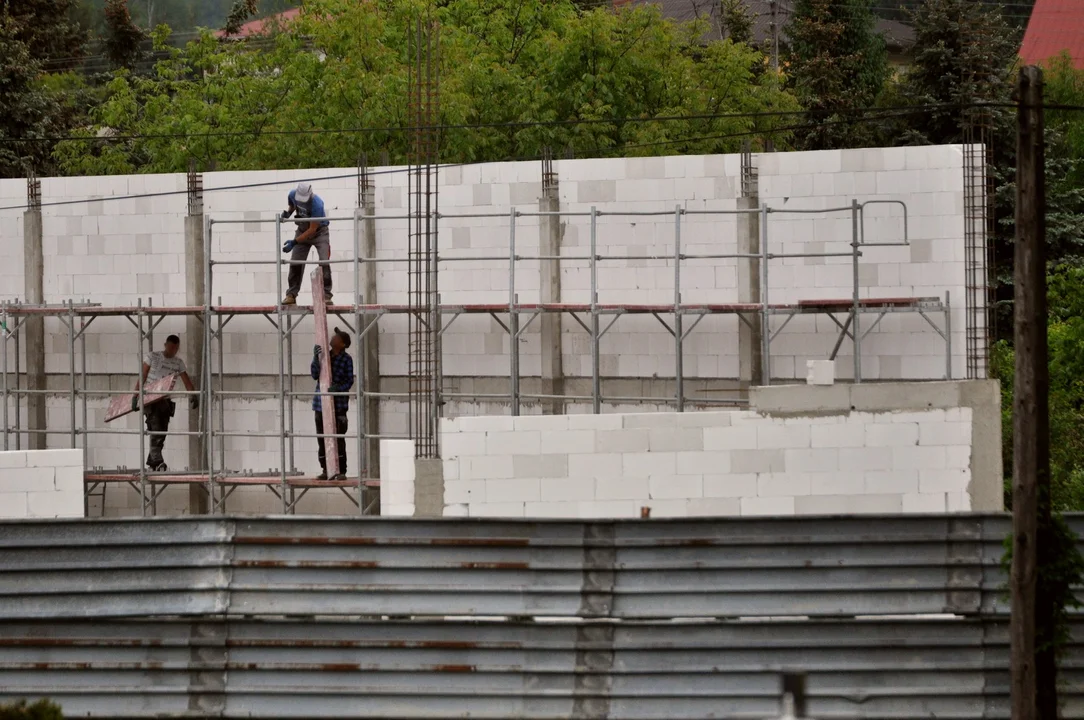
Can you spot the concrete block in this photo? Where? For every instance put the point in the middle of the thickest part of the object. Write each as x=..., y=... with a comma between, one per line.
x=621, y=488
x=540, y=466
x=703, y=463
x=837, y=483
x=944, y=433
x=31, y=479
x=515, y=490
x=675, y=439
x=758, y=461
x=498, y=510
x=54, y=458
x=919, y=458
x=924, y=503
x=668, y=508
x=13, y=459
x=622, y=441
x=567, y=490
x=959, y=458
x=541, y=422
x=943, y=481
x=767, y=506
x=570, y=510
x=730, y=485
x=737, y=437
x=780, y=436
x=567, y=441
x=594, y=465
x=13, y=505
x=800, y=398
x=52, y=504
x=886, y=435
x=843, y=435
x=469, y=491
x=866, y=459
x=820, y=372
x=69, y=480
x=611, y=421
x=668, y=487
x=486, y=467
x=713, y=507
x=782, y=485
x=804, y=460
x=486, y=423
x=514, y=443
x=457, y=444
x=900, y=482
x=872, y=397
x=958, y=502
x=603, y=509
x=649, y=464
x=458, y=510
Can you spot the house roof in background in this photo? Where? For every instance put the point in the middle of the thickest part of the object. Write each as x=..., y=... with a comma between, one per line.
x=898, y=35
x=1055, y=26
x=258, y=27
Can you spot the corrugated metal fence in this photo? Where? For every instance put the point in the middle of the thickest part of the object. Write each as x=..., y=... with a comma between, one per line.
x=892, y=617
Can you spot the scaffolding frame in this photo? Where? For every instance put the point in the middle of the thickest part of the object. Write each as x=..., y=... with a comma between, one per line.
x=594, y=317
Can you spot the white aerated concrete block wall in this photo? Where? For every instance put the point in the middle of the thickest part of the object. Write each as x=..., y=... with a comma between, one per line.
x=397, y=481
x=41, y=484
x=709, y=463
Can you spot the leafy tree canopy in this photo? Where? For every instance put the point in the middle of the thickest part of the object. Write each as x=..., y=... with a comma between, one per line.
x=535, y=74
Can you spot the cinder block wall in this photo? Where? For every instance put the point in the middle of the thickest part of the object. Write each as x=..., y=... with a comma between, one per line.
x=41, y=484
x=895, y=449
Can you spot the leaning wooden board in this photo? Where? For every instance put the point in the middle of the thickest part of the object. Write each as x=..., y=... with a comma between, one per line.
x=154, y=391
x=319, y=314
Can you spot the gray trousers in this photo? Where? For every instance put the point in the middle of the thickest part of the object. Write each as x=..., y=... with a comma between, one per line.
x=322, y=242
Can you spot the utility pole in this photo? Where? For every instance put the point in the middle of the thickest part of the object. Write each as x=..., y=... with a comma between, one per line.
x=1031, y=615
x=774, y=5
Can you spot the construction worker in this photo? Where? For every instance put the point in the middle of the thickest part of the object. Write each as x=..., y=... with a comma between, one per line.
x=156, y=366
x=306, y=204
x=342, y=379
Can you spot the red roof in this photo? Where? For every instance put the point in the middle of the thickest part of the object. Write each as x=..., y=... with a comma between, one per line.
x=1056, y=26
x=258, y=27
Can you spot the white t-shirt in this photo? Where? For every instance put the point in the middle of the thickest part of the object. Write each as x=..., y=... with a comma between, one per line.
x=161, y=366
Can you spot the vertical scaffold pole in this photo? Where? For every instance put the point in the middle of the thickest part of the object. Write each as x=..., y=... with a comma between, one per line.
x=679, y=341
x=857, y=295
x=948, y=335
x=4, y=365
x=71, y=367
x=142, y=417
x=282, y=367
x=596, y=381
x=208, y=349
x=221, y=386
x=765, y=314
x=83, y=384
x=359, y=431
x=513, y=319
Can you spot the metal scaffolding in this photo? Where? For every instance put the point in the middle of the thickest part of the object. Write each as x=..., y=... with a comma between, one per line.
x=594, y=317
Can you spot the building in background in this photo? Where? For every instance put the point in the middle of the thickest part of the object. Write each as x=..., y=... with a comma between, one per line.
x=1055, y=27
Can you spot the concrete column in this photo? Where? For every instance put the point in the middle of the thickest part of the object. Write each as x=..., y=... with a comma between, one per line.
x=370, y=346
x=750, y=362
x=550, y=278
x=428, y=487
x=194, y=289
x=34, y=327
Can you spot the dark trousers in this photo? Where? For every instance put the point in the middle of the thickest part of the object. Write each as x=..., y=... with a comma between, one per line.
x=340, y=443
x=322, y=242
x=157, y=416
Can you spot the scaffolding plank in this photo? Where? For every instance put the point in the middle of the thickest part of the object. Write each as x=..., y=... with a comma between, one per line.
x=153, y=392
x=319, y=313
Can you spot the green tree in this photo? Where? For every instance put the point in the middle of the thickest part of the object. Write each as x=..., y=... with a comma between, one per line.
x=333, y=85
x=41, y=710
x=123, y=40
x=836, y=64
x=736, y=20
x=29, y=109
x=49, y=31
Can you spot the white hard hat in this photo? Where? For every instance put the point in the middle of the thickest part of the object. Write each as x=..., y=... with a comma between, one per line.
x=304, y=192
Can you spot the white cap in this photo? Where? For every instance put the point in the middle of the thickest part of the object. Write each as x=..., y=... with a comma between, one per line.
x=304, y=192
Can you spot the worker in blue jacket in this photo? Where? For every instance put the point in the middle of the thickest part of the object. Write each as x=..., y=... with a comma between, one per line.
x=307, y=204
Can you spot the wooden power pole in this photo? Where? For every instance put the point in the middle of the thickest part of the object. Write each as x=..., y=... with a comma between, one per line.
x=1032, y=676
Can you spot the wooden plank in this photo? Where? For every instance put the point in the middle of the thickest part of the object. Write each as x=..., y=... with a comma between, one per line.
x=319, y=313
x=153, y=392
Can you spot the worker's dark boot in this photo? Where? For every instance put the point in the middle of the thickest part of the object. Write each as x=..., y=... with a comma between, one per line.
x=327, y=298
x=322, y=475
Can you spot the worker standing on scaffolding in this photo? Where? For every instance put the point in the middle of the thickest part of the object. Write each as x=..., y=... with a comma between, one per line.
x=156, y=366
x=306, y=204
x=342, y=379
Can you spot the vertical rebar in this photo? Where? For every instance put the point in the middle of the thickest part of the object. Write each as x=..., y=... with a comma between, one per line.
x=17, y=395
x=855, y=329
x=513, y=318
x=596, y=380
x=948, y=335
x=83, y=383
x=765, y=315
x=679, y=355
